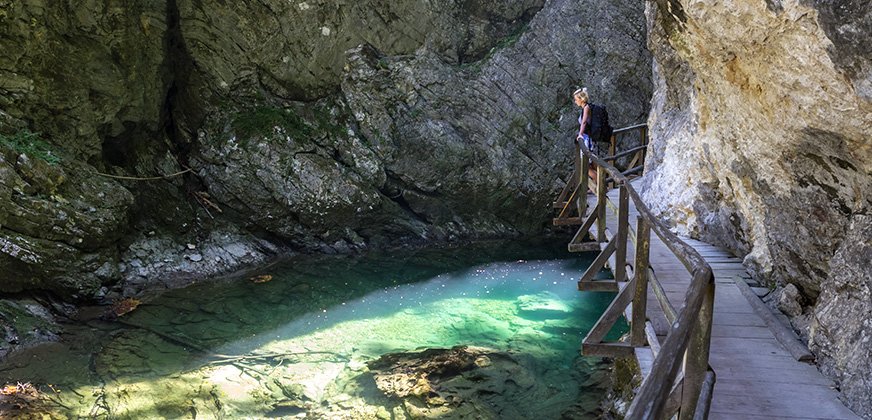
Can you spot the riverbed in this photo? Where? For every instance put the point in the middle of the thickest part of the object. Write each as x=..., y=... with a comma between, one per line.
x=297, y=339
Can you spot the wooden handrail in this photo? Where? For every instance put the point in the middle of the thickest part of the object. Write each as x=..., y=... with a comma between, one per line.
x=627, y=152
x=630, y=128
x=685, y=352
x=688, y=256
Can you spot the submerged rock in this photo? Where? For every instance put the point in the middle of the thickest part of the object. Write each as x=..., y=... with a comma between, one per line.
x=543, y=305
x=467, y=381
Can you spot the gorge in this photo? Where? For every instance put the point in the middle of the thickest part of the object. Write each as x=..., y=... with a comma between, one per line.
x=149, y=145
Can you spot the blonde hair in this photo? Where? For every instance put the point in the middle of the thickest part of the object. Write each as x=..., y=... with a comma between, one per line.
x=581, y=93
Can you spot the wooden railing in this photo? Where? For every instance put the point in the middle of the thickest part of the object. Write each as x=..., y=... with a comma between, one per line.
x=680, y=380
x=572, y=200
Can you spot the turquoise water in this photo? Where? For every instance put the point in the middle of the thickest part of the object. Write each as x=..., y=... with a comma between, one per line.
x=298, y=345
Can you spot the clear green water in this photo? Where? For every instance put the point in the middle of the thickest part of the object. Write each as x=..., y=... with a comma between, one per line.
x=305, y=336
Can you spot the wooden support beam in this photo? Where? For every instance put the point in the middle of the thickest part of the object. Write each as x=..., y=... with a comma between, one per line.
x=570, y=202
x=583, y=182
x=601, y=199
x=571, y=183
x=584, y=247
x=583, y=230
x=651, y=335
x=705, y=397
x=782, y=333
x=653, y=393
x=598, y=286
x=696, y=358
x=673, y=402
x=567, y=221
x=607, y=350
x=660, y=294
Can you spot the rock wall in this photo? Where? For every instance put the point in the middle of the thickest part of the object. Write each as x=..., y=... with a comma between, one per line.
x=145, y=143
x=423, y=135
x=78, y=76
x=761, y=142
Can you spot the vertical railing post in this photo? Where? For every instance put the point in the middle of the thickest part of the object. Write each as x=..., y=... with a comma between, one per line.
x=640, y=272
x=620, y=268
x=643, y=133
x=613, y=142
x=601, y=199
x=582, y=180
x=696, y=358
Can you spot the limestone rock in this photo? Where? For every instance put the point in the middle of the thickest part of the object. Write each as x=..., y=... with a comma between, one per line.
x=84, y=74
x=841, y=330
x=439, y=382
x=760, y=140
x=57, y=224
x=789, y=301
x=25, y=323
x=429, y=144
x=296, y=49
x=457, y=131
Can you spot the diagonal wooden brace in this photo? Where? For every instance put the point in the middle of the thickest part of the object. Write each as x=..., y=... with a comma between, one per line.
x=611, y=314
x=599, y=262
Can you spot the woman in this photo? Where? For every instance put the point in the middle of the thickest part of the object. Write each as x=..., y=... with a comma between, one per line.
x=581, y=99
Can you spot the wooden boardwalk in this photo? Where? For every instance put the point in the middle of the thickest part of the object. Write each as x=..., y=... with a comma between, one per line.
x=757, y=377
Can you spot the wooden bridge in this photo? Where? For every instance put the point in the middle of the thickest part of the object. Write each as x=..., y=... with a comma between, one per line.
x=722, y=353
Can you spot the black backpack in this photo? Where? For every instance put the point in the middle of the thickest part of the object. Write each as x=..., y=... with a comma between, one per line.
x=600, y=129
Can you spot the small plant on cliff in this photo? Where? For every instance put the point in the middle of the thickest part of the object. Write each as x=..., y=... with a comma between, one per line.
x=262, y=121
x=30, y=144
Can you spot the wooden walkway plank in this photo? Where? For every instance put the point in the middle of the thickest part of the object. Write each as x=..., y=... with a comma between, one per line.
x=756, y=375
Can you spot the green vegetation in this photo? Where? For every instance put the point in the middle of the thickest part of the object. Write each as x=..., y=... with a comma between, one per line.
x=30, y=144
x=261, y=121
x=510, y=40
x=506, y=42
x=326, y=122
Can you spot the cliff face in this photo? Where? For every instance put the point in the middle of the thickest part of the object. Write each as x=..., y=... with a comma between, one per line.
x=761, y=142
x=286, y=126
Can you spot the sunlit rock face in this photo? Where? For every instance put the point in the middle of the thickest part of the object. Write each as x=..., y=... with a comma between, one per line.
x=761, y=142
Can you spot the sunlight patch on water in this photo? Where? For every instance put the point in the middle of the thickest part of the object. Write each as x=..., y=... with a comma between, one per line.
x=300, y=343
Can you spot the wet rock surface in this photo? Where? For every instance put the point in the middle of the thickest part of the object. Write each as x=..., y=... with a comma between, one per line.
x=760, y=142
x=25, y=323
x=460, y=382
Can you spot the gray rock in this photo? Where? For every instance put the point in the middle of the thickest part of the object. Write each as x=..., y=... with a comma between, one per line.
x=744, y=153
x=789, y=301
x=25, y=323
x=841, y=328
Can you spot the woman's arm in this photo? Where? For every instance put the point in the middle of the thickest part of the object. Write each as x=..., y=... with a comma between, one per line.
x=585, y=119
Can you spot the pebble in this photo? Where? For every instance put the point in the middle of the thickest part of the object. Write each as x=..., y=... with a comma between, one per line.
x=195, y=257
